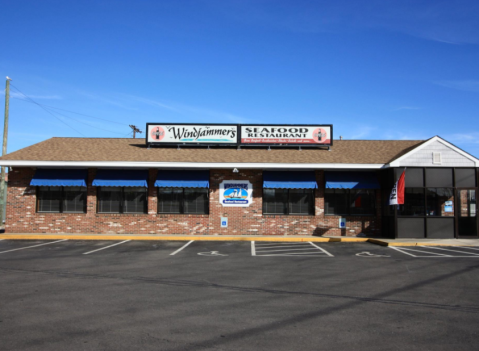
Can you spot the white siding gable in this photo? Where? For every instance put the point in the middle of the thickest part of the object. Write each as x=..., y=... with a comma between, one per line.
x=423, y=156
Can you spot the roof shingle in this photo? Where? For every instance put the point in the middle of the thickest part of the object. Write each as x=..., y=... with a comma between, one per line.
x=131, y=150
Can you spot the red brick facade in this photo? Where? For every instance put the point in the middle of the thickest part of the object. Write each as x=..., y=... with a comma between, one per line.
x=21, y=216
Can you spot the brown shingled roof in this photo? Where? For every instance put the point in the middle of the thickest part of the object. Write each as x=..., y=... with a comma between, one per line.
x=99, y=149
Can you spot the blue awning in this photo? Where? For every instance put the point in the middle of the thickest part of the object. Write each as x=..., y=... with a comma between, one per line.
x=121, y=177
x=351, y=180
x=289, y=180
x=59, y=177
x=183, y=179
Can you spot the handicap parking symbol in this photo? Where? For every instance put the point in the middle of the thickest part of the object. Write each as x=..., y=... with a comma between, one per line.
x=368, y=254
x=211, y=253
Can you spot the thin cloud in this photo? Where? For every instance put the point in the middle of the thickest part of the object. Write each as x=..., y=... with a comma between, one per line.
x=189, y=110
x=453, y=22
x=105, y=100
x=36, y=97
x=464, y=85
x=464, y=138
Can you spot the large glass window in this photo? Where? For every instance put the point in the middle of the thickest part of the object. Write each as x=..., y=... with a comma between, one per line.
x=414, y=204
x=336, y=201
x=288, y=201
x=350, y=202
x=183, y=200
x=122, y=200
x=440, y=202
x=362, y=202
x=59, y=199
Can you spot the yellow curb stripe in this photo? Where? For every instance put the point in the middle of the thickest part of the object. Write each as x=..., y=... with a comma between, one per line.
x=176, y=238
x=415, y=243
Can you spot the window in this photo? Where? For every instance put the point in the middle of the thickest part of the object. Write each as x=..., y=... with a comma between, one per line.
x=350, y=202
x=440, y=202
x=122, y=200
x=183, y=200
x=58, y=199
x=414, y=203
x=288, y=201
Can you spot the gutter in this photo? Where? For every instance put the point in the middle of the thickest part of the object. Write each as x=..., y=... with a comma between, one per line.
x=195, y=165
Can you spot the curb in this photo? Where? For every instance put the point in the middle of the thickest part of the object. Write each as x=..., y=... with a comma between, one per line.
x=177, y=238
x=413, y=243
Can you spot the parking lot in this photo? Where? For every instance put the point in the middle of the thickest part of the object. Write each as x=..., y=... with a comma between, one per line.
x=123, y=295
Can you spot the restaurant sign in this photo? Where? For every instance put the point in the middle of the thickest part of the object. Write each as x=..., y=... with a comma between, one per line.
x=236, y=193
x=308, y=135
x=205, y=134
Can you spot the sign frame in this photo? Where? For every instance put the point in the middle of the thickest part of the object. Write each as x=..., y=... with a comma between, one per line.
x=285, y=144
x=249, y=191
x=149, y=143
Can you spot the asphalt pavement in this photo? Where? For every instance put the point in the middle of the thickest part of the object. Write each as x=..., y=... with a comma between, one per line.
x=200, y=295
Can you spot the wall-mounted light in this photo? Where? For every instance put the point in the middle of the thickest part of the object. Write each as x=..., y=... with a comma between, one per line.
x=235, y=170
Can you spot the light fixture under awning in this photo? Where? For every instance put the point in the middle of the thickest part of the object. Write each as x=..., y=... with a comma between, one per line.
x=351, y=180
x=121, y=177
x=289, y=180
x=183, y=179
x=59, y=177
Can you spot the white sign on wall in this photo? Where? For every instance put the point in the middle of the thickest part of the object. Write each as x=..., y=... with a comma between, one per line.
x=191, y=134
x=287, y=134
x=236, y=193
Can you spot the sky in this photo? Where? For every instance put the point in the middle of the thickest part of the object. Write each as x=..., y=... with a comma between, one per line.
x=375, y=69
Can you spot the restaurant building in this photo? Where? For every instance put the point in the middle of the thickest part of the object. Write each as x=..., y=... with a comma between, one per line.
x=242, y=180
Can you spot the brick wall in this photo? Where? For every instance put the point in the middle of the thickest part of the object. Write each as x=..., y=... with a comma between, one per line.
x=22, y=217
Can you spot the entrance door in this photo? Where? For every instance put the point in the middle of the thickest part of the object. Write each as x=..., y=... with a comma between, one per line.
x=467, y=213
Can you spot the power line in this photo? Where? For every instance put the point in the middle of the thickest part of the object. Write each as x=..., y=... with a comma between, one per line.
x=77, y=113
x=46, y=108
x=48, y=111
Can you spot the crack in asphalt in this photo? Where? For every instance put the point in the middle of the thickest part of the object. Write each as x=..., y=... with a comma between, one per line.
x=203, y=284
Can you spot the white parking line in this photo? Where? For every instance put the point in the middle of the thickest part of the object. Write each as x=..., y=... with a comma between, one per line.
x=106, y=247
x=468, y=247
x=269, y=247
x=407, y=253
x=28, y=247
x=181, y=248
x=305, y=248
x=463, y=252
x=432, y=254
x=263, y=251
x=326, y=252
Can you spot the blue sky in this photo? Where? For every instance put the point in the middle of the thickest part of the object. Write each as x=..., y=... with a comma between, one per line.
x=374, y=69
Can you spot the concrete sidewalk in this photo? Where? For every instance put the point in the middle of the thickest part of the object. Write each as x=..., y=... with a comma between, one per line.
x=321, y=239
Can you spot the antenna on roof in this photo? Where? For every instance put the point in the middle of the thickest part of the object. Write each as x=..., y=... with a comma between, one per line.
x=135, y=130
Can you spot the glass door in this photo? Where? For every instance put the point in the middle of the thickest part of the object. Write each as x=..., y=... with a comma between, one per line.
x=467, y=213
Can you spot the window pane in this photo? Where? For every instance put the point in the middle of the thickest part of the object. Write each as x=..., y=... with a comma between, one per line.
x=169, y=200
x=196, y=200
x=49, y=198
x=440, y=202
x=413, y=202
x=336, y=201
x=274, y=201
x=465, y=177
x=301, y=201
x=362, y=202
x=134, y=200
x=439, y=177
x=109, y=199
x=74, y=199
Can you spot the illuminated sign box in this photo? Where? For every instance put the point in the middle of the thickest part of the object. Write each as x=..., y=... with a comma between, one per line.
x=204, y=134
x=239, y=134
x=299, y=135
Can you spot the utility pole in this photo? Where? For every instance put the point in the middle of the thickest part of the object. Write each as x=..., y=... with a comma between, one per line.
x=4, y=149
x=135, y=130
